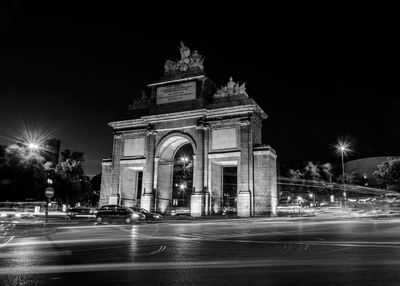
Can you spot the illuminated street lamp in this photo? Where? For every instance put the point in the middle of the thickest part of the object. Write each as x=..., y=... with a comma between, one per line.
x=184, y=159
x=312, y=196
x=343, y=148
x=33, y=146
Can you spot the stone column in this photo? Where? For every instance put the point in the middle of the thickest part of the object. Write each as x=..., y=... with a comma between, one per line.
x=197, y=204
x=106, y=177
x=265, y=186
x=115, y=173
x=147, y=200
x=155, y=183
x=206, y=169
x=244, y=195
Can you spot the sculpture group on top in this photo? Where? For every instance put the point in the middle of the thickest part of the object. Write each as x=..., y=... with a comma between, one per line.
x=189, y=61
x=231, y=89
x=140, y=102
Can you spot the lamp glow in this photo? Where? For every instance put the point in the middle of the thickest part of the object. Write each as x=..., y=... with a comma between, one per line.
x=33, y=146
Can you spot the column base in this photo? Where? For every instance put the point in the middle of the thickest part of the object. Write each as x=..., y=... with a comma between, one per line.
x=243, y=204
x=274, y=206
x=197, y=205
x=207, y=203
x=113, y=199
x=147, y=201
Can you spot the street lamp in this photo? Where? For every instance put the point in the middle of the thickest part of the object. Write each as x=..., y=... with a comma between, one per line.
x=184, y=159
x=343, y=148
x=33, y=146
x=182, y=187
x=312, y=196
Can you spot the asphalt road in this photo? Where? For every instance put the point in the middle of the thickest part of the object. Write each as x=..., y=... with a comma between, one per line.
x=222, y=252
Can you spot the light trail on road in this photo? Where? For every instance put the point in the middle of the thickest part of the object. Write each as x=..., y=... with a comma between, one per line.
x=243, y=263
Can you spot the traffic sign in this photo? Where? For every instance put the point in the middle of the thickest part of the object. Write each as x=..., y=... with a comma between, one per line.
x=49, y=192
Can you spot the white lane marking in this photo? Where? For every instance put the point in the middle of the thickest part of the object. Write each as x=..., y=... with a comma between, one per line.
x=374, y=244
x=161, y=249
x=7, y=242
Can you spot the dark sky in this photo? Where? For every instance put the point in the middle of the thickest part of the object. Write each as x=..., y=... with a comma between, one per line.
x=73, y=68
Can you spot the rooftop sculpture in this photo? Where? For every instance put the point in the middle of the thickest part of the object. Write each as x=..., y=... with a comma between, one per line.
x=231, y=89
x=140, y=102
x=189, y=61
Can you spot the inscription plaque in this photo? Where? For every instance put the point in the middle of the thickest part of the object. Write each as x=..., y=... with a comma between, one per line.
x=177, y=92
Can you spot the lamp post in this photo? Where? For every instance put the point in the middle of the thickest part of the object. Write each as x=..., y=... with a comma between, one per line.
x=32, y=147
x=182, y=187
x=184, y=160
x=313, y=197
x=343, y=148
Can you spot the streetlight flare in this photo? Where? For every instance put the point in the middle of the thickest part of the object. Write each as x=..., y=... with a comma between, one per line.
x=343, y=147
x=184, y=159
x=33, y=146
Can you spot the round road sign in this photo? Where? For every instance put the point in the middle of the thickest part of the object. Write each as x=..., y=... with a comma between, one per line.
x=49, y=192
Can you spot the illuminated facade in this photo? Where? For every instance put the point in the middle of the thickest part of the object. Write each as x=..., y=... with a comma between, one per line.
x=184, y=123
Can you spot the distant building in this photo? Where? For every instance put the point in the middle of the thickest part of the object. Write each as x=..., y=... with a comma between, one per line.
x=365, y=168
x=51, y=150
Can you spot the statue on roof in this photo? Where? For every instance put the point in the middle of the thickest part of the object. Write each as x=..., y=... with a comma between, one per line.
x=231, y=89
x=189, y=61
x=140, y=102
x=185, y=51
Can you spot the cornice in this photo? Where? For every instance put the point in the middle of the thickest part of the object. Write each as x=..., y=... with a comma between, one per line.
x=190, y=114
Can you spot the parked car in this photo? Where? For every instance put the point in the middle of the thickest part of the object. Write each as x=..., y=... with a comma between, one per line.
x=147, y=214
x=80, y=213
x=115, y=213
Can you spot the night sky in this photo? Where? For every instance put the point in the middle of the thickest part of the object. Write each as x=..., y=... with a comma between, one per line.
x=72, y=69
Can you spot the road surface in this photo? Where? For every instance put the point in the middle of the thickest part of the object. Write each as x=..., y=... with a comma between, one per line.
x=221, y=252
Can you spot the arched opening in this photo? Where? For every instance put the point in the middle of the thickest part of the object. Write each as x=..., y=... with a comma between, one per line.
x=174, y=173
x=182, y=178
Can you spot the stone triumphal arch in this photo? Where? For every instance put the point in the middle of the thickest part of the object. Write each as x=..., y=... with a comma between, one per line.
x=187, y=146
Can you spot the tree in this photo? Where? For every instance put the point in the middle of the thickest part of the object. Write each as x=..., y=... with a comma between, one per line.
x=388, y=174
x=22, y=173
x=70, y=182
x=312, y=172
x=325, y=171
x=91, y=191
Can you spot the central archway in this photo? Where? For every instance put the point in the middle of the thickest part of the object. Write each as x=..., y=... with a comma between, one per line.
x=182, y=179
x=174, y=155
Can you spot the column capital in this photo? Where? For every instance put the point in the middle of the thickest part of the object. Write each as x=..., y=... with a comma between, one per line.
x=202, y=123
x=118, y=136
x=244, y=122
x=150, y=130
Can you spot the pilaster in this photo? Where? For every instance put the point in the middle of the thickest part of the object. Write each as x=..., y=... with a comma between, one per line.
x=115, y=173
x=147, y=200
x=198, y=204
x=244, y=202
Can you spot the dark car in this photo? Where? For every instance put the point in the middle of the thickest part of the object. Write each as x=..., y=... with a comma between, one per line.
x=147, y=214
x=80, y=213
x=115, y=213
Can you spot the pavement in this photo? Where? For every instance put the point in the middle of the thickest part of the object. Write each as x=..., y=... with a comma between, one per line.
x=251, y=251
